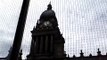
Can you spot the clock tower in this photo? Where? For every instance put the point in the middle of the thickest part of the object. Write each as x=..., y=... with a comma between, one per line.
x=47, y=41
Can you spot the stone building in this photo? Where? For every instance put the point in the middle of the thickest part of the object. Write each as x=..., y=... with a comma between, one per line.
x=47, y=41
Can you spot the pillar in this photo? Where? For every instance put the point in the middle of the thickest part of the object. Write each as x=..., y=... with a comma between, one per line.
x=51, y=43
x=46, y=44
x=41, y=44
x=37, y=44
x=19, y=31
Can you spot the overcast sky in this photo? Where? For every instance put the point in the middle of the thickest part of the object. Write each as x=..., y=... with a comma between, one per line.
x=83, y=24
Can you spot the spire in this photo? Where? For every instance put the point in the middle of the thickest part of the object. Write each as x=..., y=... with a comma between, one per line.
x=81, y=54
x=99, y=52
x=90, y=55
x=74, y=56
x=49, y=6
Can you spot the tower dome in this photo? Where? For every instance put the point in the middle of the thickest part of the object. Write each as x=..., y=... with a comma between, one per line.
x=47, y=19
x=49, y=13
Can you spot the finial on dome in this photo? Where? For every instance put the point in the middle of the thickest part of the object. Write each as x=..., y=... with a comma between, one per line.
x=50, y=2
x=49, y=6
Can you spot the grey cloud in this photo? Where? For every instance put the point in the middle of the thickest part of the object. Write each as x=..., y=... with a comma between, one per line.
x=4, y=47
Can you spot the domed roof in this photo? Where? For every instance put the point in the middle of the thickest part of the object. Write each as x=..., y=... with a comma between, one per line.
x=48, y=13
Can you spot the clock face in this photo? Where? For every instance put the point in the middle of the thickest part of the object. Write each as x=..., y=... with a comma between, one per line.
x=47, y=23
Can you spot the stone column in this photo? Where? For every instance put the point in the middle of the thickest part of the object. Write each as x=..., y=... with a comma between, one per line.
x=46, y=44
x=51, y=43
x=36, y=44
x=41, y=44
